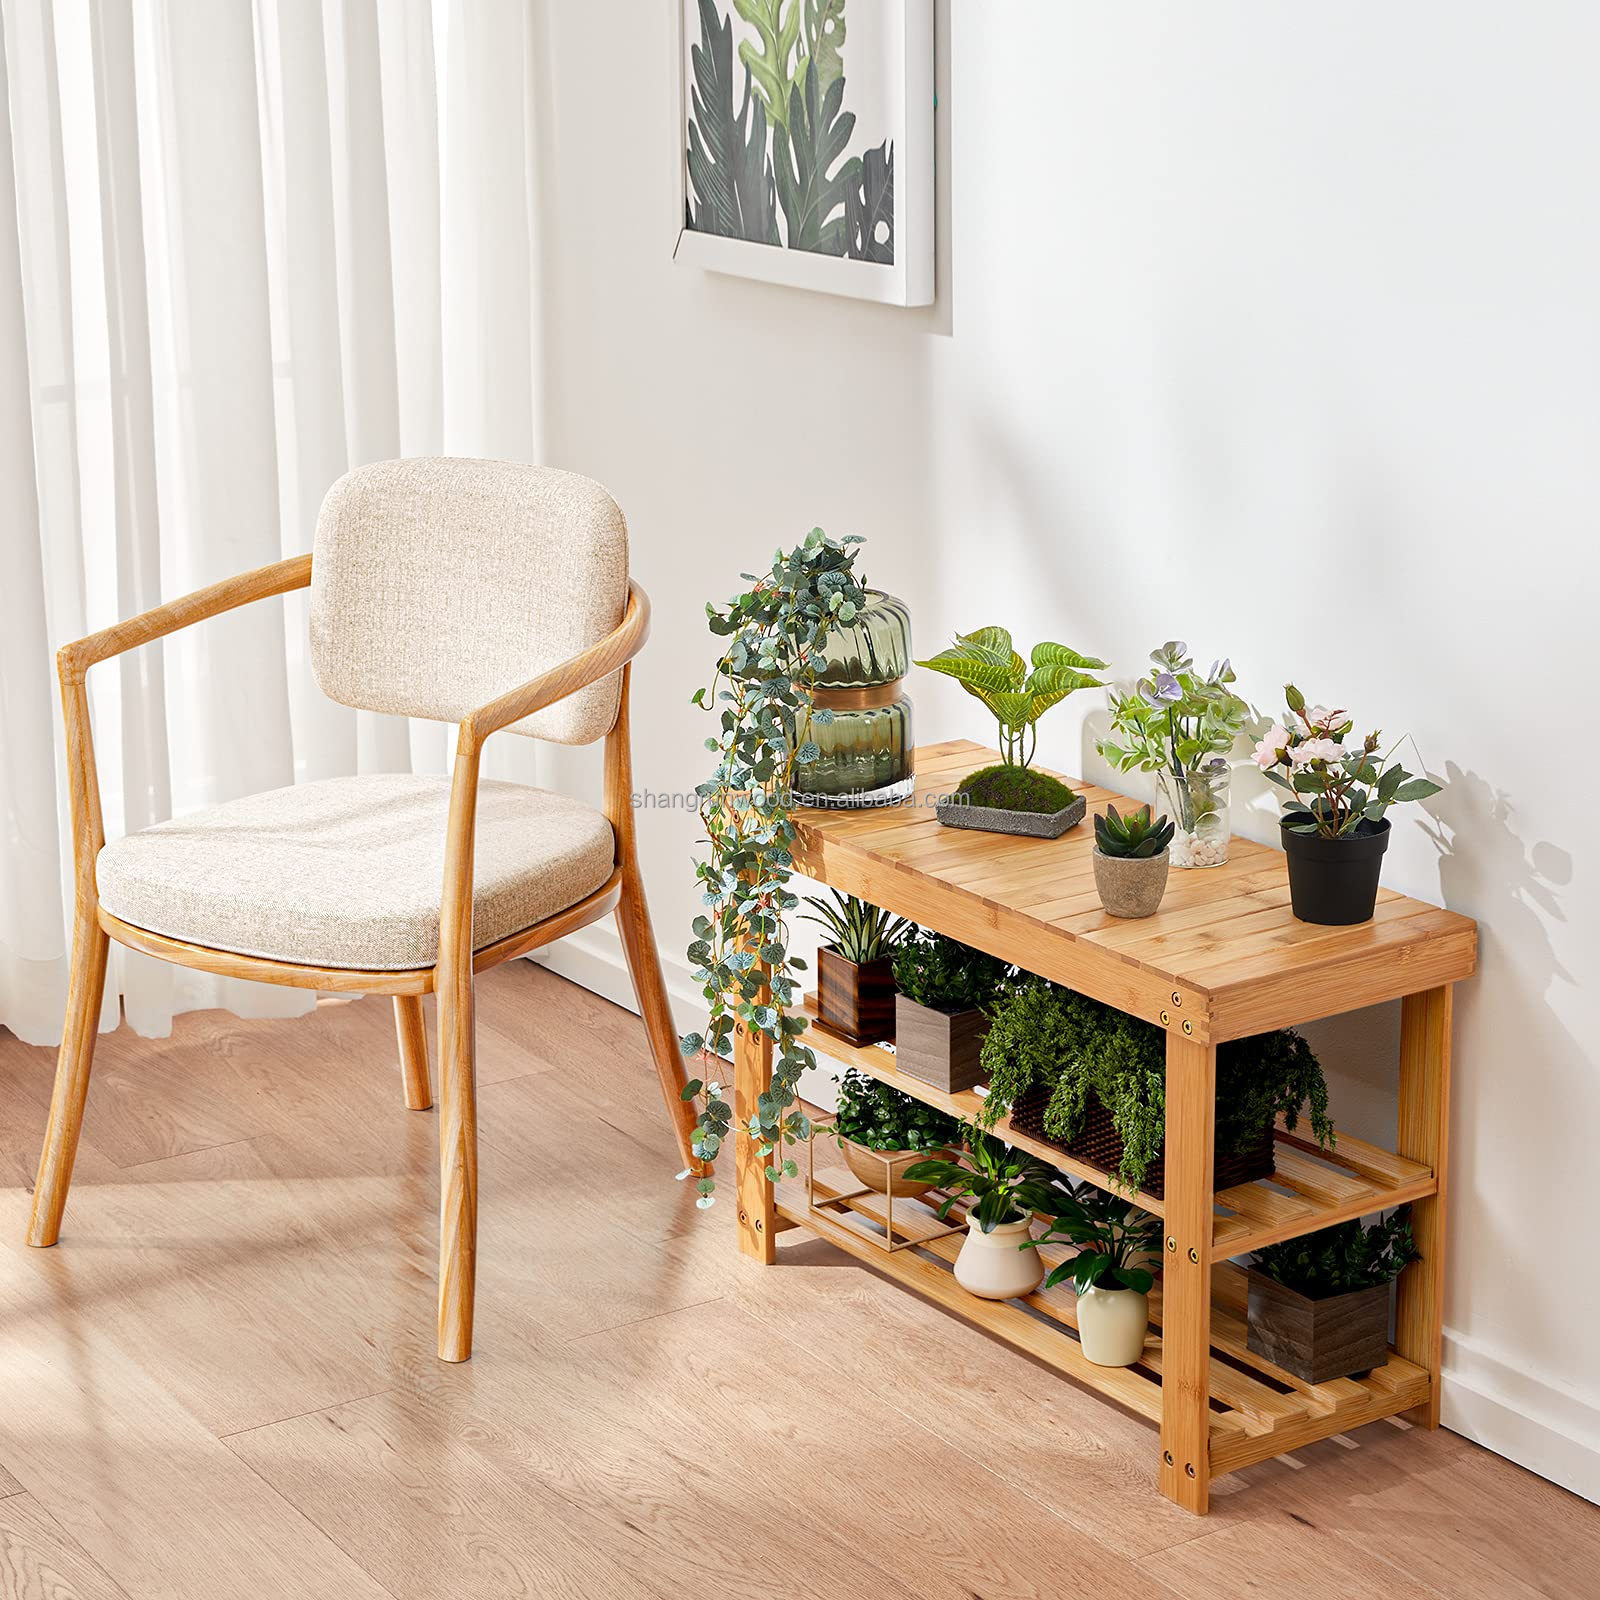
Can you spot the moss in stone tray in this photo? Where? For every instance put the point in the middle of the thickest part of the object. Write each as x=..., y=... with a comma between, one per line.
x=1009, y=788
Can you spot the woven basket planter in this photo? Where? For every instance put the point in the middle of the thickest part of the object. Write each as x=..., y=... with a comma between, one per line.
x=1099, y=1143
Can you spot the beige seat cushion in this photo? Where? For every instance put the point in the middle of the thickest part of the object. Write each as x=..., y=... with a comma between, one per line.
x=348, y=872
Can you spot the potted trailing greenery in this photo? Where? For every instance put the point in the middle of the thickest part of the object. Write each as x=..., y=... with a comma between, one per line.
x=1131, y=856
x=855, y=978
x=1180, y=726
x=1005, y=1188
x=942, y=988
x=773, y=633
x=1110, y=1272
x=882, y=1132
x=1334, y=828
x=1092, y=1080
x=1319, y=1304
x=1011, y=797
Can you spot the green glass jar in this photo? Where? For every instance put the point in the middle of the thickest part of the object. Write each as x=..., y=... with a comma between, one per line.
x=866, y=750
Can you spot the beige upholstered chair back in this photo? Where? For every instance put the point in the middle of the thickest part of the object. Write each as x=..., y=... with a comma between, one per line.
x=437, y=584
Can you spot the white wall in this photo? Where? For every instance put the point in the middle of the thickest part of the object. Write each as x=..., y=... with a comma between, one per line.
x=1274, y=328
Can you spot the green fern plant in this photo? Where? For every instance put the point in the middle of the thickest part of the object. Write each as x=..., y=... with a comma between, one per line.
x=987, y=666
x=1134, y=837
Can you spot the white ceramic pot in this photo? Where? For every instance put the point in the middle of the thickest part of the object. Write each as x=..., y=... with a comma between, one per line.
x=993, y=1266
x=1112, y=1324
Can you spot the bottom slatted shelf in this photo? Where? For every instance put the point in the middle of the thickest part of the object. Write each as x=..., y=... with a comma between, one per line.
x=1258, y=1410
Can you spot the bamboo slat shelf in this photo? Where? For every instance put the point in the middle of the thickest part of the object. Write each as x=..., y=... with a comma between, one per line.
x=1223, y=959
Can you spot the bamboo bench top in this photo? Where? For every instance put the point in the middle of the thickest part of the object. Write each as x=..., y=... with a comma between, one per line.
x=1224, y=957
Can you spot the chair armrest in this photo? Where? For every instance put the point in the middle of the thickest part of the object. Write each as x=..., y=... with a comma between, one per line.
x=74, y=659
x=599, y=661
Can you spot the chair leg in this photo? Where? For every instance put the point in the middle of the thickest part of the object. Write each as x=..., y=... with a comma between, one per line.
x=85, y=990
x=458, y=1165
x=411, y=1029
x=644, y=966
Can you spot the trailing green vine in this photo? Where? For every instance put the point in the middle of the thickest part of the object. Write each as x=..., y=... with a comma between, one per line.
x=761, y=693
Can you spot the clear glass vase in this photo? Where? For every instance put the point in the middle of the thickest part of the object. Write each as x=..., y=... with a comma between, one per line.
x=866, y=749
x=1197, y=803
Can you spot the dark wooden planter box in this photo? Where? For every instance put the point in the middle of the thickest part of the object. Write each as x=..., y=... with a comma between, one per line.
x=1319, y=1340
x=938, y=1047
x=855, y=1001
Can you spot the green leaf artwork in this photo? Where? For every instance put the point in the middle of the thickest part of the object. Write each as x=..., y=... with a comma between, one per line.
x=869, y=209
x=813, y=198
x=730, y=171
x=780, y=172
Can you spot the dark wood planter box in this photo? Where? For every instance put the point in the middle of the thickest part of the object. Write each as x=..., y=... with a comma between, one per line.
x=1318, y=1340
x=855, y=1001
x=938, y=1047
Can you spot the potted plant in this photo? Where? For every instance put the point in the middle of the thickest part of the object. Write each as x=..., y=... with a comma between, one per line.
x=773, y=637
x=1319, y=1304
x=1131, y=855
x=1110, y=1273
x=1005, y=1188
x=1181, y=726
x=855, y=979
x=1011, y=797
x=881, y=1132
x=1334, y=828
x=1092, y=1080
x=941, y=990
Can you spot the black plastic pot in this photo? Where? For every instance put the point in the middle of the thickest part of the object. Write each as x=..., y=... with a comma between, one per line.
x=1335, y=881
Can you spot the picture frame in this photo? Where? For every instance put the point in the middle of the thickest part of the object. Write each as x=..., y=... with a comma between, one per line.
x=867, y=110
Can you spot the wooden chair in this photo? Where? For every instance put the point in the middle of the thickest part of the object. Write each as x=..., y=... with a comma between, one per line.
x=435, y=585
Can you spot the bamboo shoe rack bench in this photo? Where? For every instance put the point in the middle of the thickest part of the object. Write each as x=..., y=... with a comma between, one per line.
x=1222, y=959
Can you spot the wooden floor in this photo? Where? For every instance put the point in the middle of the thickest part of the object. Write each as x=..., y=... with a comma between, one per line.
x=222, y=1381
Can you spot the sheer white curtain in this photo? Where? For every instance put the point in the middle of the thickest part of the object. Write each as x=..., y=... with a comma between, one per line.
x=243, y=247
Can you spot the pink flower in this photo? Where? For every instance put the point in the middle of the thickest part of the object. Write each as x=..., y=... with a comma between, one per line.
x=1303, y=754
x=1324, y=719
x=1269, y=752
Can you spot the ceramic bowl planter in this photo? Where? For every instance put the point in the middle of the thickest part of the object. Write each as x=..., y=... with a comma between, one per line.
x=882, y=1171
x=993, y=1266
x=1112, y=1324
x=1131, y=886
x=953, y=812
x=1335, y=881
x=940, y=1048
x=855, y=999
x=1318, y=1340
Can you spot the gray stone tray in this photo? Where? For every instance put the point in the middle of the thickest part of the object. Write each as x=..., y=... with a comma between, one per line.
x=1032, y=824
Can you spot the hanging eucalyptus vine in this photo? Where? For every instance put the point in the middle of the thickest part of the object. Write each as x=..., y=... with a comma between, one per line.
x=761, y=693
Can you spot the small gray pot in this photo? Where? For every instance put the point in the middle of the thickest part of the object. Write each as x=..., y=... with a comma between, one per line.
x=1131, y=886
x=993, y=819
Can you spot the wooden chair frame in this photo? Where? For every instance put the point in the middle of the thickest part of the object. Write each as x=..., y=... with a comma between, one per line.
x=450, y=978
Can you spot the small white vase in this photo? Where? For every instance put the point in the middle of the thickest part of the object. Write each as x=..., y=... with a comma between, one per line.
x=994, y=1266
x=1112, y=1324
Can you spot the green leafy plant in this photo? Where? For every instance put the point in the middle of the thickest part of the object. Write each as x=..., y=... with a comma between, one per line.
x=1040, y=1033
x=1113, y=1240
x=1135, y=836
x=858, y=930
x=735, y=192
x=871, y=1113
x=803, y=154
x=1306, y=755
x=869, y=205
x=1341, y=1259
x=825, y=33
x=773, y=637
x=777, y=27
x=947, y=975
x=1004, y=1184
x=986, y=665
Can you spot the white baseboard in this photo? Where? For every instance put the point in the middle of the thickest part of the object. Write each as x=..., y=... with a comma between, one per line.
x=1545, y=1428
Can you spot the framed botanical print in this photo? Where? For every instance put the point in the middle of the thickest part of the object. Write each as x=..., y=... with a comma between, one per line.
x=805, y=134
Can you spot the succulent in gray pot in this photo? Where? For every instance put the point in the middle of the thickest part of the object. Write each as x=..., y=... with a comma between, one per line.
x=1319, y=1304
x=1010, y=796
x=855, y=980
x=942, y=991
x=1131, y=857
x=1333, y=826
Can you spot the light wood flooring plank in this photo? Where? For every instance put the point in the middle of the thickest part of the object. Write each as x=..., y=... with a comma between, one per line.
x=39, y=1562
